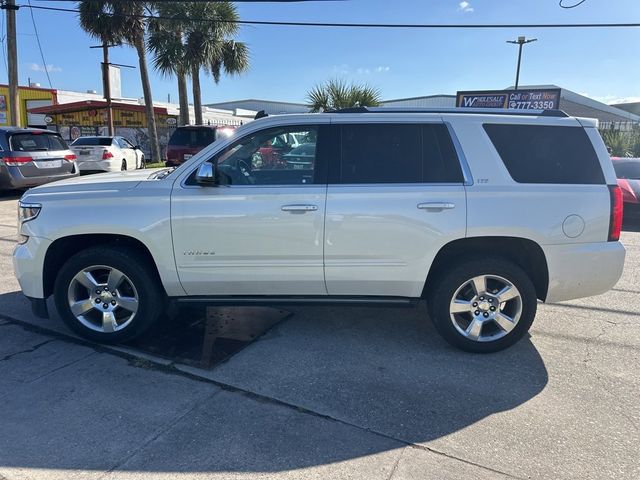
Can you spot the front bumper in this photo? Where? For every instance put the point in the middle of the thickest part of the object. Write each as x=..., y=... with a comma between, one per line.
x=28, y=265
x=583, y=269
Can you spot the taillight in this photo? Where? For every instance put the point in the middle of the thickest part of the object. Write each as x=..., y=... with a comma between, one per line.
x=615, y=219
x=70, y=158
x=17, y=161
x=106, y=155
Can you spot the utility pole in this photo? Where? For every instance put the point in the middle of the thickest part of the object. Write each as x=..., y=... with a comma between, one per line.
x=521, y=41
x=12, y=60
x=106, y=82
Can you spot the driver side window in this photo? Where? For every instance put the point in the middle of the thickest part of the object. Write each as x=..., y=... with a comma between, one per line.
x=276, y=156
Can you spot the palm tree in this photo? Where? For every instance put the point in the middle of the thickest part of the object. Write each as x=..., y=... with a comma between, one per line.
x=115, y=22
x=209, y=45
x=166, y=42
x=97, y=19
x=337, y=94
x=133, y=27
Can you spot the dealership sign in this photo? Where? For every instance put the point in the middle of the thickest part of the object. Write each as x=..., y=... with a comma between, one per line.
x=537, y=99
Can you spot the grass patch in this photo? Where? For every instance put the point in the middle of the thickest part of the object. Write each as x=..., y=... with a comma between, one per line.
x=155, y=165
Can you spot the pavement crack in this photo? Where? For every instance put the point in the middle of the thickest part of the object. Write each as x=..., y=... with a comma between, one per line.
x=27, y=350
x=395, y=465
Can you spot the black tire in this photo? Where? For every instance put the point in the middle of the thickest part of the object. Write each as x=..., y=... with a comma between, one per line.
x=151, y=298
x=123, y=167
x=452, y=277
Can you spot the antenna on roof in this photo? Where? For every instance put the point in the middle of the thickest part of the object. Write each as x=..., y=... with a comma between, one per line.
x=261, y=114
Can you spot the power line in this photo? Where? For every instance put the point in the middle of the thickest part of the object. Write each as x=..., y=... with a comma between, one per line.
x=362, y=25
x=562, y=5
x=35, y=29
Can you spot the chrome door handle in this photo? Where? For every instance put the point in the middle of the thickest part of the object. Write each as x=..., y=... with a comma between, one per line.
x=299, y=208
x=436, y=206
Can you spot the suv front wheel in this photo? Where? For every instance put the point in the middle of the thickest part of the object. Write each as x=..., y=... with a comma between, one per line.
x=107, y=295
x=483, y=305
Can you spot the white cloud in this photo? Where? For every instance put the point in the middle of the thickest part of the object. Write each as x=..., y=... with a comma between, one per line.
x=36, y=67
x=345, y=69
x=382, y=69
x=465, y=7
x=363, y=71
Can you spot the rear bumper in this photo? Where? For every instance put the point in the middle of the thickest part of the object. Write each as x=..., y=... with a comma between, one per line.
x=99, y=166
x=583, y=269
x=11, y=178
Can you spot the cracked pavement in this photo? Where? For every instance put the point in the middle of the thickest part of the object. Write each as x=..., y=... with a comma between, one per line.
x=336, y=393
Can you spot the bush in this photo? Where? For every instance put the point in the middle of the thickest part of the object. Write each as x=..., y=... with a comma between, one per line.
x=622, y=144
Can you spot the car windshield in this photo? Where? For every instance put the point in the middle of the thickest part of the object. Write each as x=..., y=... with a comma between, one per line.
x=37, y=142
x=628, y=169
x=99, y=141
x=192, y=137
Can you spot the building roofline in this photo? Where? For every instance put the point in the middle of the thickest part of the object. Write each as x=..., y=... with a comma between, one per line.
x=418, y=98
x=255, y=100
x=92, y=105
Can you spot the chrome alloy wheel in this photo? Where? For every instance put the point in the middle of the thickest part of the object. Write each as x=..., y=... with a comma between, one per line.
x=103, y=299
x=485, y=308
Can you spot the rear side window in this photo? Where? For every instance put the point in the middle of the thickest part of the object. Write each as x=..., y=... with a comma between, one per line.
x=398, y=153
x=546, y=154
x=37, y=142
x=192, y=137
x=96, y=141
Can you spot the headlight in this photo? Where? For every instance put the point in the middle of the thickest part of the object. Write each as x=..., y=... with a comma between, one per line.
x=28, y=211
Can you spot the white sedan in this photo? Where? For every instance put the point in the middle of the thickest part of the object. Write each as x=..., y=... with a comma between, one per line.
x=107, y=154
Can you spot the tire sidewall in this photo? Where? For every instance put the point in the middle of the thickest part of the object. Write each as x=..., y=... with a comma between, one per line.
x=150, y=298
x=448, y=283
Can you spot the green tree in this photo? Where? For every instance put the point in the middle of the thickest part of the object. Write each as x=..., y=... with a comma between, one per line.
x=166, y=42
x=114, y=23
x=192, y=37
x=337, y=94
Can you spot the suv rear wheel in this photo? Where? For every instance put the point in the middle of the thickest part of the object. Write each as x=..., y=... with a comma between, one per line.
x=107, y=295
x=483, y=305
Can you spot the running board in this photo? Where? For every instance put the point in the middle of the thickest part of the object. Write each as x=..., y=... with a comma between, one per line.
x=242, y=301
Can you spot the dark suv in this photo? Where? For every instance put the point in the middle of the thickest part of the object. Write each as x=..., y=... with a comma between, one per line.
x=31, y=157
x=185, y=142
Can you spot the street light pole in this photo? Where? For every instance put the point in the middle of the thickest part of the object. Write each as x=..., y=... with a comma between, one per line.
x=521, y=41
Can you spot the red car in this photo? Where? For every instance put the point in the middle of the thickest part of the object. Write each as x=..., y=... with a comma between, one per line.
x=185, y=142
x=628, y=173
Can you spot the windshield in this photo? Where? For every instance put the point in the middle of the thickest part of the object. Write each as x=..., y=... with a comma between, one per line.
x=629, y=169
x=101, y=141
x=37, y=142
x=192, y=137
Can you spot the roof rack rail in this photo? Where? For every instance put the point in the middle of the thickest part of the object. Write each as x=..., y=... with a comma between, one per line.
x=479, y=111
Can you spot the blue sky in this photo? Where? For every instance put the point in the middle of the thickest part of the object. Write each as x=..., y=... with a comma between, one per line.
x=287, y=61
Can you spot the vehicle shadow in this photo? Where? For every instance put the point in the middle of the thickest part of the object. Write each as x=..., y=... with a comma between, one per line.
x=325, y=386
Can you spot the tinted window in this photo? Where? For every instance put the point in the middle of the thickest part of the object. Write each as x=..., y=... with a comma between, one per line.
x=99, y=141
x=193, y=137
x=546, y=154
x=37, y=142
x=398, y=153
x=627, y=169
x=273, y=156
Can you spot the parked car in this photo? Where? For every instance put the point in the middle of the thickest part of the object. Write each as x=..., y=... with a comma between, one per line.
x=301, y=157
x=480, y=213
x=628, y=173
x=31, y=157
x=185, y=142
x=107, y=154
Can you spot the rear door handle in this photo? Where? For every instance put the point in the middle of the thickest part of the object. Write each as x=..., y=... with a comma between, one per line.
x=436, y=206
x=299, y=208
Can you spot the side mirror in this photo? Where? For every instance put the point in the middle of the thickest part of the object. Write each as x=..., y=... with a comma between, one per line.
x=137, y=147
x=206, y=175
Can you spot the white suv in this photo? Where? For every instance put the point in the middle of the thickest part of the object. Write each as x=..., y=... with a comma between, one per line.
x=481, y=213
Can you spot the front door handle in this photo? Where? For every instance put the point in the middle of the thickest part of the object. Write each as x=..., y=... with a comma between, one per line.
x=299, y=208
x=436, y=206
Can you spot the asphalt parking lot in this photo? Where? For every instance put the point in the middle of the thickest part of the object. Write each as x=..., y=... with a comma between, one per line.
x=328, y=393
